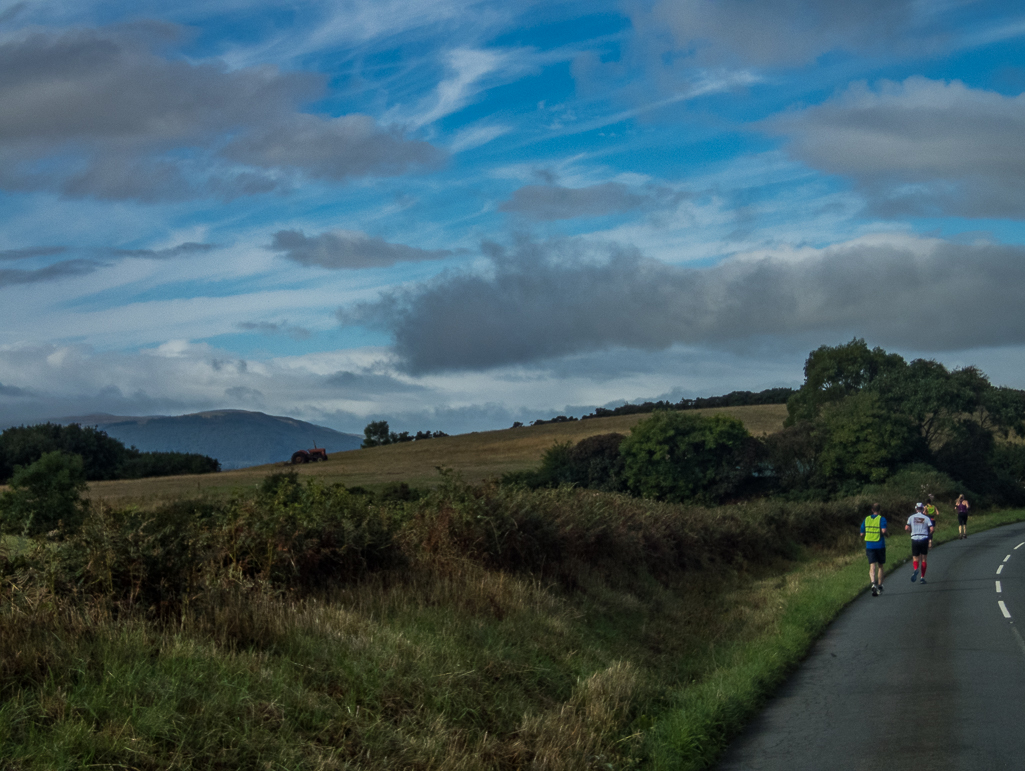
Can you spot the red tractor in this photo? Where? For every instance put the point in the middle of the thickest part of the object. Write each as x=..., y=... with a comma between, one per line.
x=309, y=456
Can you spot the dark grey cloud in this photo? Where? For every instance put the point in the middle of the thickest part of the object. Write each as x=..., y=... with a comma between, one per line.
x=80, y=267
x=55, y=272
x=918, y=147
x=31, y=251
x=13, y=391
x=345, y=249
x=332, y=148
x=244, y=394
x=787, y=32
x=240, y=366
x=554, y=202
x=552, y=300
x=112, y=114
x=270, y=328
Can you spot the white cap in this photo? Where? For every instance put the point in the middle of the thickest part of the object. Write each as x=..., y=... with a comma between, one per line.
x=918, y=505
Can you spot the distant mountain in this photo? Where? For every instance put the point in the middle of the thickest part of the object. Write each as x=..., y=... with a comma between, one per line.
x=237, y=438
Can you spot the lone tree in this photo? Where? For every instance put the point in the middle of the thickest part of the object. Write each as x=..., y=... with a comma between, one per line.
x=45, y=496
x=376, y=434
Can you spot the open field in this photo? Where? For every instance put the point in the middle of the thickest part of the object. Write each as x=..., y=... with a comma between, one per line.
x=476, y=457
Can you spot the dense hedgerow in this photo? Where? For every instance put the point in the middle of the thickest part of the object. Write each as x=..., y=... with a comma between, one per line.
x=300, y=538
x=553, y=530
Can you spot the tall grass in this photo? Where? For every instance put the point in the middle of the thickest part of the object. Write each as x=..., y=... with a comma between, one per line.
x=303, y=627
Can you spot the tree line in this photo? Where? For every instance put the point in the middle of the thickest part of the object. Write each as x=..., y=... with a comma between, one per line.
x=863, y=419
x=378, y=433
x=102, y=456
x=732, y=399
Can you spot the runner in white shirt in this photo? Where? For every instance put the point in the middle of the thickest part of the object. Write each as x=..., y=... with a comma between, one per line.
x=920, y=527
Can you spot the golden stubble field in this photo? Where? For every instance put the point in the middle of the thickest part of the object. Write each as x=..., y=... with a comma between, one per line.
x=476, y=457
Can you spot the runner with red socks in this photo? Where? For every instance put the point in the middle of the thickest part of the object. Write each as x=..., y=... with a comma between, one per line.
x=920, y=527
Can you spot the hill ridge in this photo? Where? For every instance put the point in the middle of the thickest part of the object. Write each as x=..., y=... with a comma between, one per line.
x=237, y=438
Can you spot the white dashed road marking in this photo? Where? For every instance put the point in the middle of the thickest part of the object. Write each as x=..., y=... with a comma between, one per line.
x=999, y=589
x=1004, y=610
x=1007, y=558
x=1000, y=570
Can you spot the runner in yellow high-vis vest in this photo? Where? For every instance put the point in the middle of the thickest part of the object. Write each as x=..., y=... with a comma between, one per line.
x=873, y=530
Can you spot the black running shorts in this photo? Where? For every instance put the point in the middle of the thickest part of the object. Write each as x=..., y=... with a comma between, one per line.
x=919, y=547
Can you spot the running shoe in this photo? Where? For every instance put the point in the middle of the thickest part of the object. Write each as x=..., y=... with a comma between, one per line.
x=922, y=580
x=914, y=575
x=880, y=587
x=875, y=590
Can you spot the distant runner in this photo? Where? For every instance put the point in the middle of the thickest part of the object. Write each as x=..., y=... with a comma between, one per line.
x=920, y=526
x=932, y=512
x=873, y=530
x=961, y=507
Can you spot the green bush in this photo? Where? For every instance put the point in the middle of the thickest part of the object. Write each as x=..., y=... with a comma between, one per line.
x=399, y=492
x=863, y=442
x=918, y=481
x=272, y=484
x=594, y=462
x=307, y=535
x=153, y=560
x=1007, y=462
x=792, y=457
x=597, y=463
x=45, y=496
x=677, y=456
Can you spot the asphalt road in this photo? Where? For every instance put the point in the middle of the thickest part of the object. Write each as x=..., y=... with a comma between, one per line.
x=924, y=676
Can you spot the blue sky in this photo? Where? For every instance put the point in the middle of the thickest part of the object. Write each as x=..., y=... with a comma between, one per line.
x=456, y=215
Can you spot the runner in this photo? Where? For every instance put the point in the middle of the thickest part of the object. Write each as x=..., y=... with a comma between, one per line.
x=920, y=527
x=961, y=507
x=932, y=512
x=873, y=530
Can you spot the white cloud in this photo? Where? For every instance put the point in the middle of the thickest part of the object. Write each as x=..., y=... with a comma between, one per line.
x=470, y=71
x=476, y=135
x=346, y=389
x=919, y=146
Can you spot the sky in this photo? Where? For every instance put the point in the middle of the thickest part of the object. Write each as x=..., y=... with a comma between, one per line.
x=456, y=215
